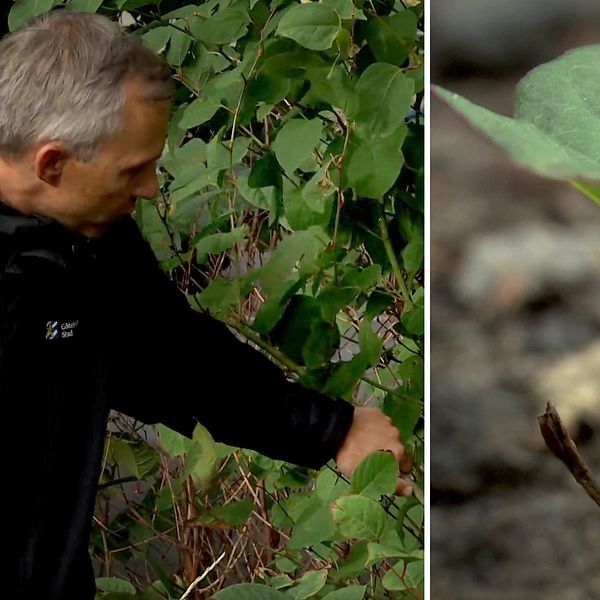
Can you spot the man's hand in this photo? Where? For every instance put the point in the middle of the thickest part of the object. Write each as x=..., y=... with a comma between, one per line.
x=372, y=430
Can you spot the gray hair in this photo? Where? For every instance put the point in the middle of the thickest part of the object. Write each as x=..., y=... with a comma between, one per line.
x=62, y=76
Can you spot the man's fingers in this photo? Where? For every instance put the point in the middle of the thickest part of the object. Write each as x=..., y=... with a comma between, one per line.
x=402, y=458
x=403, y=488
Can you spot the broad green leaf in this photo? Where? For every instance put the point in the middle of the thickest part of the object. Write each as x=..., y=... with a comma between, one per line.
x=273, y=309
x=23, y=10
x=265, y=172
x=220, y=296
x=354, y=564
x=299, y=245
x=249, y=591
x=322, y=342
x=345, y=8
x=285, y=565
x=345, y=376
x=157, y=38
x=264, y=198
x=370, y=344
x=329, y=486
x=308, y=585
x=318, y=189
x=314, y=525
x=203, y=457
x=314, y=26
x=555, y=131
x=331, y=85
x=412, y=256
x=379, y=551
x=377, y=474
x=198, y=112
x=114, y=584
x=404, y=412
x=295, y=141
x=219, y=242
x=185, y=12
x=391, y=39
x=352, y=592
x=402, y=576
x=172, y=442
x=359, y=517
x=179, y=45
x=137, y=457
x=89, y=6
x=224, y=27
x=300, y=215
x=234, y=513
x=382, y=98
x=372, y=165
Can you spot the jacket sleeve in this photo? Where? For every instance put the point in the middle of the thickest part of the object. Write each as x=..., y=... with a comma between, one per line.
x=174, y=365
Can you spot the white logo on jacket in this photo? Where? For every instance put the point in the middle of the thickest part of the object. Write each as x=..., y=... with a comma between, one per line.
x=54, y=330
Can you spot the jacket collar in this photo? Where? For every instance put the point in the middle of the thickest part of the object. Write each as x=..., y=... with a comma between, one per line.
x=33, y=238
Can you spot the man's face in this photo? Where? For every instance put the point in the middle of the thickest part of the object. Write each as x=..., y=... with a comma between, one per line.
x=88, y=197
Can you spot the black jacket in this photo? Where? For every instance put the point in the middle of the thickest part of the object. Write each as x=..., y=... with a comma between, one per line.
x=90, y=325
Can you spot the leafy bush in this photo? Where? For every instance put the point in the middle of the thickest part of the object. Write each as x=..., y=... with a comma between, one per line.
x=291, y=208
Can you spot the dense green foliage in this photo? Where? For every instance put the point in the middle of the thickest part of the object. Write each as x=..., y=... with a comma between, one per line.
x=291, y=208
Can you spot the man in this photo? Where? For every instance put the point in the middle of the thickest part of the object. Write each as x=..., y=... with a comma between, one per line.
x=89, y=322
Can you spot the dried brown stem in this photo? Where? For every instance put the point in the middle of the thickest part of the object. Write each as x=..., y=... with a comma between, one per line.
x=560, y=443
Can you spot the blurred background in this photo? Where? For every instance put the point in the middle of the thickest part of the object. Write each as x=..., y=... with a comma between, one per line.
x=515, y=322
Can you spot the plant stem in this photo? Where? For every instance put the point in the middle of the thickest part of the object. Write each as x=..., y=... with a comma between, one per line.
x=389, y=249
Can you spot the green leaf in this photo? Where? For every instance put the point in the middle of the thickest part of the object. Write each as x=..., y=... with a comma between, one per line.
x=359, y=517
x=300, y=245
x=314, y=26
x=392, y=38
x=404, y=412
x=391, y=547
x=345, y=8
x=381, y=101
x=249, y=591
x=234, y=513
x=198, y=112
x=555, y=131
x=412, y=256
x=314, y=525
x=377, y=474
x=225, y=27
x=372, y=165
x=179, y=45
x=331, y=85
x=220, y=296
x=157, y=38
x=370, y=344
x=114, y=584
x=308, y=585
x=345, y=376
x=23, y=10
x=352, y=592
x=172, y=442
x=137, y=457
x=265, y=172
x=202, y=457
x=89, y=6
x=219, y=242
x=300, y=216
x=402, y=576
x=295, y=141
x=318, y=189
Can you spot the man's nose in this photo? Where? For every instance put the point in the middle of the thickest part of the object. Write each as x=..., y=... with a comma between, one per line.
x=148, y=187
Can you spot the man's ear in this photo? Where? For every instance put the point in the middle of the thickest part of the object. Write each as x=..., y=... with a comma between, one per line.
x=49, y=162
